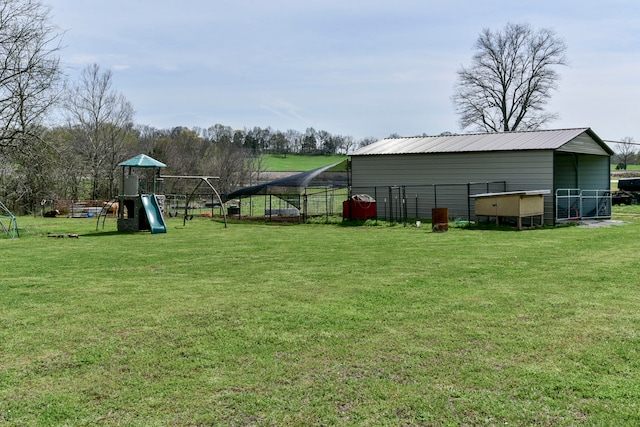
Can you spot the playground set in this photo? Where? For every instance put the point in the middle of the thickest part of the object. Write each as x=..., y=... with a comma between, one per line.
x=139, y=207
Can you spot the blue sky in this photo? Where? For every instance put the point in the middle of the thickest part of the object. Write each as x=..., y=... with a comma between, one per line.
x=350, y=67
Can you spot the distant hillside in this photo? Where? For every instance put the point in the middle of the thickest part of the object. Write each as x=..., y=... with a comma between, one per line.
x=294, y=162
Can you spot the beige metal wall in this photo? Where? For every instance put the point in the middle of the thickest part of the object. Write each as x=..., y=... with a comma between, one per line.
x=523, y=170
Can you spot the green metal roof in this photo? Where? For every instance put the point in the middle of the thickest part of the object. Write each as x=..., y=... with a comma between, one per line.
x=143, y=161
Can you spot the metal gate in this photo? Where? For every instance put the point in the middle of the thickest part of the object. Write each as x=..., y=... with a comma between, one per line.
x=574, y=203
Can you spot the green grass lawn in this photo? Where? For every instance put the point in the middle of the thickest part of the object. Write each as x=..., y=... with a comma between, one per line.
x=294, y=162
x=303, y=325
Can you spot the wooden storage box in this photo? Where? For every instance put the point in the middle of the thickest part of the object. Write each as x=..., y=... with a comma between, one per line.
x=513, y=204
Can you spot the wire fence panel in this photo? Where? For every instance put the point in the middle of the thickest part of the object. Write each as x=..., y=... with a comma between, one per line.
x=326, y=201
x=398, y=203
x=79, y=208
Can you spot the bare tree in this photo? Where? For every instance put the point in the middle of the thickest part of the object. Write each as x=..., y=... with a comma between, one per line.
x=510, y=80
x=101, y=119
x=366, y=141
x=626, y=152
x=295, y=140
x=347, y=144
x=185, y=152
x=231, y=163
x=29, y=70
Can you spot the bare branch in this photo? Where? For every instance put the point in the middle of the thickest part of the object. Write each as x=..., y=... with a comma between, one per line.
x=29, y=70
x=101, y=119
x=510, y=81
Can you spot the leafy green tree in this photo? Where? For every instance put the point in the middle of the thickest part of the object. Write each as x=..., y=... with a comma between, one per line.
x=309, y=142
x=279, y=143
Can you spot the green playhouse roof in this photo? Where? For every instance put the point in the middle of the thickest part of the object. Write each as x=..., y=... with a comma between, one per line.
x=143, y=161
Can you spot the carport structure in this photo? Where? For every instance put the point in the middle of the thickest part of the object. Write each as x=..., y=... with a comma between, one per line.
x=574, y=161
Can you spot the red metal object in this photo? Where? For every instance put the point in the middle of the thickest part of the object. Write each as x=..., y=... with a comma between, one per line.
x=359, y=206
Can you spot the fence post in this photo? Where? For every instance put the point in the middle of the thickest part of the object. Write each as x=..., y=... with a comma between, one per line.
x=469, y=201
x=404, y=204
x=375, y=197
x=435, y=195
x=390, y=204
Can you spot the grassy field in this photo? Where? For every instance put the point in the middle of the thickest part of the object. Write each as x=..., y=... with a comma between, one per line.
x=629, y=167
x=301, y=325
x=293, y=162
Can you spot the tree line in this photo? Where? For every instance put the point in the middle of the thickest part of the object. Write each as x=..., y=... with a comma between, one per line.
x=506, y=88
x=76, y=156
x=79, y=159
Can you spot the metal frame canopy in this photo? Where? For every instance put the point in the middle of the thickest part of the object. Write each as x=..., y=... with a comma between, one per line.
x=289, y=188
x=294, y=184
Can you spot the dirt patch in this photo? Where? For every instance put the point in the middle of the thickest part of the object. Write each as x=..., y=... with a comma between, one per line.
x=600, y=223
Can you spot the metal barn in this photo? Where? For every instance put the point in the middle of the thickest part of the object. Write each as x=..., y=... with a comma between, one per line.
x=410, y=176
